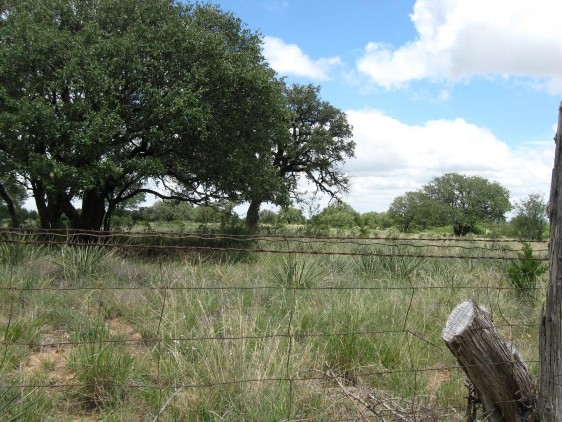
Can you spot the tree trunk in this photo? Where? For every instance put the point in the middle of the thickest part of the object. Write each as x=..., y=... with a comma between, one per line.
x=93, y=211
x=11, y=208
x=253, y=215
x=496, y=370
x=550, y=341
x=49, y=210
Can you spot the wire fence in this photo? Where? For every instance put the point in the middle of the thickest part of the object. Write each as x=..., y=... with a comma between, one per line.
x=351, y=325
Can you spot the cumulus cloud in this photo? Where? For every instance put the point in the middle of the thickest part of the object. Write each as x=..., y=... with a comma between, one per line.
x=290, y=60
x=393, y=158
x=464, y=38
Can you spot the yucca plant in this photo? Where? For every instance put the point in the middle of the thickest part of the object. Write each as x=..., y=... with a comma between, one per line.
x=81, y=262
x=297, y=272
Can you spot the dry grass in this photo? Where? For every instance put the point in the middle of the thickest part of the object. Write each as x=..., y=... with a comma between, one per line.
x=278, y=337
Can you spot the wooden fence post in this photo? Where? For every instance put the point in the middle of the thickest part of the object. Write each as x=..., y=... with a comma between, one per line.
x=550, y=342
x=493, y=366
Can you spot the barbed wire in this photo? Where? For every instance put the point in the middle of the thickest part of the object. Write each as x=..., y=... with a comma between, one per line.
x=172, y=234
x=260, y=250
x=292, y=332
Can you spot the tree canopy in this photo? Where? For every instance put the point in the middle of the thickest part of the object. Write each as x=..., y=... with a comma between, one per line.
x=316, y=142
x=452, y=199
x=97, y=98
x=464, y=201
x=530, y=220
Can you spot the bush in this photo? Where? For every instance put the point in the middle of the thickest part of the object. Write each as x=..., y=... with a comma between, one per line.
x=523, y=272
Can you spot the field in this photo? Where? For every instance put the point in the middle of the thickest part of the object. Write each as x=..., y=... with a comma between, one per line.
x=197, y=328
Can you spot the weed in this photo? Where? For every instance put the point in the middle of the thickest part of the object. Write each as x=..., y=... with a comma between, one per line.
x=388, y=262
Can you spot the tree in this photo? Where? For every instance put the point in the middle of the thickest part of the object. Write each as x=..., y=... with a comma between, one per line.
x=12, y=195
x=412, y=210
x=463, y=201
x=291, y=215
x=316, y=142
x=97, y=98
x=338, y=215
x=530, y=221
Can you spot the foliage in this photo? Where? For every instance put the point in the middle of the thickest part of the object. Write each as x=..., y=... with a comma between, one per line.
x=530, y=221
x=453, y=199
x=317, y=143
x=412, y=210
x=14, y=404
x=221, y=322
x=523, y=273
x=464, y=201
x=291, y=215
x=81, y=262
x=14, y=251
x=375, y=220
x=99, y=98
x=297, y=273
x=338, y=215
x=12, y=196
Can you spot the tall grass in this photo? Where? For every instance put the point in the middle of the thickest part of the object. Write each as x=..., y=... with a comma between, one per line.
x=258, y=339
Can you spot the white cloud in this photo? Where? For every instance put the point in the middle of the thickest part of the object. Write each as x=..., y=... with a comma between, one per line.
x=464, y=38
x=289, y=59
x=393, y=158
x=276, y=6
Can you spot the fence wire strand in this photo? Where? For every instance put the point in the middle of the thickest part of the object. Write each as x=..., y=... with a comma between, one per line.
x=393, y=247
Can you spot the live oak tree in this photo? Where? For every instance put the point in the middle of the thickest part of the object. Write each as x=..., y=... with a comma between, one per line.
x=465, y=201
x=412, y=210
x=100, y=97
x=315, y=143
x=454, y=200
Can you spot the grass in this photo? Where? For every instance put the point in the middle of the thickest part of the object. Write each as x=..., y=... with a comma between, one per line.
x=198, y=339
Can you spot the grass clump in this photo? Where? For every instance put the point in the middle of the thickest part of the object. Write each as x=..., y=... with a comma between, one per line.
x=14, y=252
x=101, y=367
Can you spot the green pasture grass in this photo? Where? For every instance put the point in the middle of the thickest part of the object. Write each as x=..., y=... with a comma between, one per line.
x=206, y=339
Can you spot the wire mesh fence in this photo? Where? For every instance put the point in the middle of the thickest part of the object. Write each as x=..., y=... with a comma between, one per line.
x=184, y=326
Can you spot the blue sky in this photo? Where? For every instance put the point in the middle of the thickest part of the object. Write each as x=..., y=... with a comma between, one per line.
x=430, y=86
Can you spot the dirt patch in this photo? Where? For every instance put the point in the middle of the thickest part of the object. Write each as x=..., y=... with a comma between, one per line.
x=132, y=339
x=52, y=363
x=435, y=381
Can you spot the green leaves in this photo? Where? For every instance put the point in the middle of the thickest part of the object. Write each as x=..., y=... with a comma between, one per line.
x=98, y=97
x=452, y=199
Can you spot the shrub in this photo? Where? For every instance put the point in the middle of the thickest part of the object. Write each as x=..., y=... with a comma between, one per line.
x=523, y=272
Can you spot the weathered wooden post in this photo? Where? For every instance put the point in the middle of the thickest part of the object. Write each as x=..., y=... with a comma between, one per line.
x=550, y=343
x=493, y=366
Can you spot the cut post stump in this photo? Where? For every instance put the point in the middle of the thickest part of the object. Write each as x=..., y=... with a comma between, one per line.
x=494, y=367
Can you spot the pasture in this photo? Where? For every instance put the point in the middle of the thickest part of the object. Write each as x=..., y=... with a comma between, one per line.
x=278, y=328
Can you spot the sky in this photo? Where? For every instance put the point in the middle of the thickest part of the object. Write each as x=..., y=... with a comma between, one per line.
x=429, y=86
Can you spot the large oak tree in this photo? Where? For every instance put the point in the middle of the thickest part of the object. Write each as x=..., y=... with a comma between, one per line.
x=100, y=97
x=316, y=142
x=452, y=199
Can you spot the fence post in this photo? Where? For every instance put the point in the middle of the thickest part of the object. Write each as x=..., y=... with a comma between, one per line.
x=550, y=341
x=496, y=370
